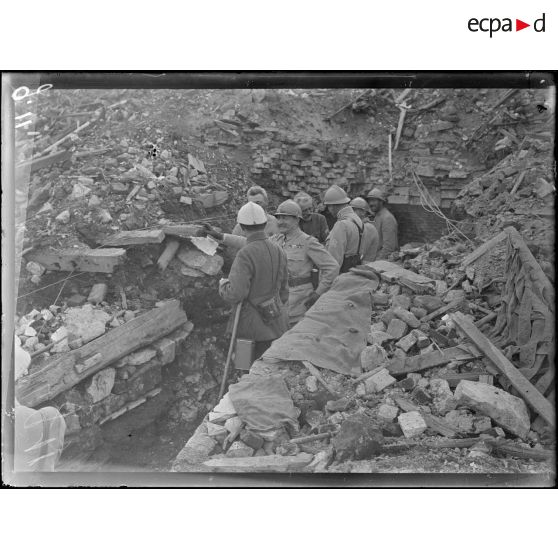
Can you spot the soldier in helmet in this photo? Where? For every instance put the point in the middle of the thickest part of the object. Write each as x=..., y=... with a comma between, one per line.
x=311, y=223
x=258, y=195
x=303, y=253
x=346, y=241
x=362, y=209
x=385, y=223
x=259, y=279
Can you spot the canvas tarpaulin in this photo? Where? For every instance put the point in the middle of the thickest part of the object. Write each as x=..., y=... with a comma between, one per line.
x=333, y=332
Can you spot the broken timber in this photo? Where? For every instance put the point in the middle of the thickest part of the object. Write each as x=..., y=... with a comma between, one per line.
x=420, y=363
x=527, y=390
x=61, y=373
x=127, y=238
x=183, y=231
x=483, y=248
x=100, y=260
x=391, y=272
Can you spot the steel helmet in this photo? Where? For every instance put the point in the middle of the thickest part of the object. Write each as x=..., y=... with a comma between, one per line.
x=360, y=203
x=377, y=193
x=304, y=200
x=251, y=214
x=290, y=208
x=335, y=196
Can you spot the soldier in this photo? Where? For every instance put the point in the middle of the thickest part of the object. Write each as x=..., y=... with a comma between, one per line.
x=346, y=241
x=362, y=209
x=258, y=195
x=258, y=278
x=311, y=223
x=303, y=253
x=385, y=223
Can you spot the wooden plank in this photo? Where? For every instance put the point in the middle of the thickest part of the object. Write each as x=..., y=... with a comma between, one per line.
x=99, y=260
x=60, y=374
x=420, y=363
x=527, y=391
x=443, y=310
x=483, y=248
x=183, y=231
x=128, y=238
x=392, y=272
x=42, y=162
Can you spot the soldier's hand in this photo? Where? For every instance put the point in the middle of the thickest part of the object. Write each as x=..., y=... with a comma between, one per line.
x=212, y=231
x=311, y=300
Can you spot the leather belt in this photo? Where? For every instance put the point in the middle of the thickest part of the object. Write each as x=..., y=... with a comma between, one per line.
x=299, y=281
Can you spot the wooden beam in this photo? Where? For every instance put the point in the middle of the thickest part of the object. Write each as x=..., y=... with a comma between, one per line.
x=100, y=260
x=42, y=162
x=128, y=238
x=420, y=363
x=60, y=374
x=443, y=310
x=168, y=254
x=527, y=390
x=483, y=248
x=183, y=231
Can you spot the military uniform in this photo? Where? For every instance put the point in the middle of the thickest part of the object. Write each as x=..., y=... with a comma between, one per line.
x=258, y=273
x=316, y=226
x=342, y=240
x=303, y=253
x=271, y=228
x=386, y=226
x=372, y=246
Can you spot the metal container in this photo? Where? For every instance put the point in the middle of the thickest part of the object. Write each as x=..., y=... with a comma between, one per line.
x=244, y=354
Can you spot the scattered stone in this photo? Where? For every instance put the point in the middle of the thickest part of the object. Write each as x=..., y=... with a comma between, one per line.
x=198, y=261
x=314, y=418
x=311, y=384
x=98, y=293
x=31, y=343
x=94, y=201
x=240, y=449
x=321, y=461
x=340, y=405
x=86, y=322
x=104, y=216
x=444, y=401
x=79, y=191
x=394, y=290
x=460, y=420
x=401, y=301
x=378, y=337
x=119, y=188
x=379, y=381
x=30, y=331
x=378, y=326
x=60, y=340
x=419, y=313
x=482, y=424
x=397, y=328
x=387, y=317
x=251, y=439
x=372, y=357
x=380, y=299
x=408, y=317
x=504, y=409
x=360, y=390
x=287, y=448
x=100, y=385
x=217, y=431
x=234, y=426
x=166, y=350
x=129, y=315
x=63, y=217
x=407, y=342
x=141, y=357
x=428, y=302
x=479, y=450
x=388, y=412
x=412, y=424
x=358, y=438
x=421, y=396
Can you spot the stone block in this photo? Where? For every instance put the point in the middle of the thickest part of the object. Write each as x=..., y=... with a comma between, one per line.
x=86, y=322
x=240, y=449
x=428, y=302
x=504, y=409
x=407, y=342
x=166, y=350
x=100, y=384
x=372, y=357
x=421, y=396
x=412, y=424
x=387, y=412
x=387, y=316
x=380, y=299
x=140, y=357
x=234, y=426
x=378, y=337
x=358, y=438
x=217, y=431
x=397, y=328
x=408, y=317
x=379, y=381
x=251, y=439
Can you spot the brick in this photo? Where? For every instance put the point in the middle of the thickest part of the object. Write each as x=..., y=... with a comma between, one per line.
x=412, y=424
x=381, y=380
x=407, y=342
x=388, y=412
x=397, y=328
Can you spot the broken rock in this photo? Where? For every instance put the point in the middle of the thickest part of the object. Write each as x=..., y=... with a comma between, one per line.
x=240, y=449
x=508, y=411
x=358, y=438
x=444, y=401
x=460, y=420
x=101, y=384
x=86, y=322
x=408, y=317
x=372, y=357
x=381, y=380
x=197, y=260
x=388, y=412
x=407, y=342
x=397, y=328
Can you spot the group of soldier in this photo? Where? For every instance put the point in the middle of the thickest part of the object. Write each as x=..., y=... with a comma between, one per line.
x=285, y=262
